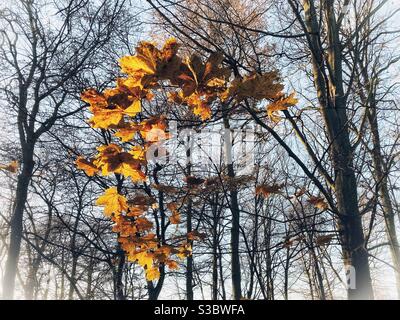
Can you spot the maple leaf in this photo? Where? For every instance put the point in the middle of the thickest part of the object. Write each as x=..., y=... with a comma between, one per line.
x=135, y=211
x=112, y=159
x=143, y=224
x=176, y=217
x=153, y=129
x=134, y=108
x=138, y=152
x=280, y=104
x=171, y=264
x=126, y=99
x=151, y=64
x=196, y=235
x=215, y=75
x=132, y=168
x=11, y=167
x=94, y=98
x=87, y=166
x=142, y=199
x=103, y=114
x=267, y=190
x=318, y=202
x=141, y=63
x=200, y=107
x=104, y=118
x=203, y=78
x=143, y=258
x=108, y=108
x=256, y=86
x=163, y=253
x=152, y=273
x=127, y=133
x=184, y=251
x=124, y=227
x=112, y=201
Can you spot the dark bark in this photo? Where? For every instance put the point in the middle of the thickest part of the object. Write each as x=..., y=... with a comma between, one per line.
x=16, y=225
x=333, y=103
x=189, y=259
x=387, y=208
x=234, y=207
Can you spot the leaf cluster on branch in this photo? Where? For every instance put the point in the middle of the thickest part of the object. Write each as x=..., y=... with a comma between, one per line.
x=188, y=82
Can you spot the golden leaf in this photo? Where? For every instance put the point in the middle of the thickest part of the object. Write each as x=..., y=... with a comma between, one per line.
x=112, y=201
x=143, y=224
x=143, y=258
x=87, y=166
x=265, y=86
x=172, y=264
x=267, y=190
x=152, y=273
x=318, y=202
x=125, y=228
x=280, y=104
x=94, y=98
x=184, y=250
x=112, y=159
x=11, y=167
x=134, y=108
x=196, y=235
x=137, y=64
x=126, y=134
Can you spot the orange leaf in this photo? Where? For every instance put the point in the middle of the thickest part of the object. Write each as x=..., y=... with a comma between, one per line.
x=318, y=202
x=112, y=201
x=176, y=217
x=152, y=273
x=266, y=190
x=283, y=103
x=11, y=167
x=87, y=166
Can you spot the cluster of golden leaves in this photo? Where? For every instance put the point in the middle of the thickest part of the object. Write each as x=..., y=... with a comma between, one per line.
x=196, y=84
x=112, y=159
x=135, y=234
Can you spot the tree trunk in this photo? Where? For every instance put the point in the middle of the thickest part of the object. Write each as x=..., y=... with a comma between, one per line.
x=154, y=290
x=16, y=227
x=214, y=295
x=189, y=259
x=234, y=207
x=333, y=104
x=387, y=208
x=32, y=278
x=119, y=285
x=75, y=254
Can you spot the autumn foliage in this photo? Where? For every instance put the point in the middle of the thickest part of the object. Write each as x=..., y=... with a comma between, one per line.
x=190, y=82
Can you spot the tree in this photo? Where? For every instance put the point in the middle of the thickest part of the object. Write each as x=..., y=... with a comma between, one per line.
x=47, y=60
